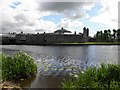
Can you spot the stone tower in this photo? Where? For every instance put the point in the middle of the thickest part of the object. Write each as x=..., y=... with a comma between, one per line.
x=86, y=34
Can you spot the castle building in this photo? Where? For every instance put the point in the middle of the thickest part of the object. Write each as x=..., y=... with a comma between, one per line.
x=62, y=31
x=86, y=34
x=58, y=36
x=50, y=38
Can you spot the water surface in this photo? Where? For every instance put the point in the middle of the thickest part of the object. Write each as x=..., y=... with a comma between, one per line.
x=56, y=63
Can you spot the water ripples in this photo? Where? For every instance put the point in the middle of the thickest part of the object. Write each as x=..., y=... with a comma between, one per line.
x=60, y=65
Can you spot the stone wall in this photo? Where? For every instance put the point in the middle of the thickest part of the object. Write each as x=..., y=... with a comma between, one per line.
x=47, y=38
x=51, y=38
x=62, y=38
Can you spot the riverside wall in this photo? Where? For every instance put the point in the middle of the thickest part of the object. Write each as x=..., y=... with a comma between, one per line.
x=48, y=38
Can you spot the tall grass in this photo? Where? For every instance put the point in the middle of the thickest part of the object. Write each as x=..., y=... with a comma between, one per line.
x=0, y=69
x=19, y=66
x=104, y=77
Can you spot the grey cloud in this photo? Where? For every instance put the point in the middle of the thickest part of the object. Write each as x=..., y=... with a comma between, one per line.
x=8, y=26
x=22, y=20
x=59, y=6
x=65, y=8
x=19, y=23
x=119, y=14
x=67, y=0
x=78, y=15
x=40, y=30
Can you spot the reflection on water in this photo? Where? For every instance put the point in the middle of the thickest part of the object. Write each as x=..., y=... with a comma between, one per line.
x=55, y=63
x=48, y=81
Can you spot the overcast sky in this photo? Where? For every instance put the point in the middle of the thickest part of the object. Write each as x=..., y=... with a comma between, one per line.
x=32, y=16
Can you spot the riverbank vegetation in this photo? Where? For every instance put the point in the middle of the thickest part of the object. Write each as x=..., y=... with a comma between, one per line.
x=104, y=77
x=18, y=67
x=91, y=43
x=108, y=36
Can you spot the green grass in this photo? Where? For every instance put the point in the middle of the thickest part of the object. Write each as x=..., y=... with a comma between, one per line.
x=90, y=43
x=104, y=77
x=19, y=66
x=0, y=69
x=101, y=43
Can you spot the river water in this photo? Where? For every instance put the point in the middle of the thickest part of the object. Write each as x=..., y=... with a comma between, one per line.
x=56, y=63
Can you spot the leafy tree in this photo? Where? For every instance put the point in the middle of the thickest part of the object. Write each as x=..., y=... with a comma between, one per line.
x=97, y=36
x=118, y=35
x=114, y=34
x=109, y=34
x=105, y=35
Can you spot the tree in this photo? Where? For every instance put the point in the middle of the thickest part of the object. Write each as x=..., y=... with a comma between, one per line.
x=118, y=35
x=109, y=34
x=114, y=34
x=101, y=36
x=105, y=35
x=97, y=36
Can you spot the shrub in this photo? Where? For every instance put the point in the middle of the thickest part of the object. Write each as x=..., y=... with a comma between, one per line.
x=19, y=66
x=106, y=76
x=0, y=68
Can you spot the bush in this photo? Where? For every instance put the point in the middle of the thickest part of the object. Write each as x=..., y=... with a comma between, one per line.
x=0, y=68
x=19, y=66
x=106, y=76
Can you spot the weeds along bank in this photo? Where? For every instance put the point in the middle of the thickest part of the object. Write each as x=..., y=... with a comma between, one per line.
x=19, y=66
x=104, y=77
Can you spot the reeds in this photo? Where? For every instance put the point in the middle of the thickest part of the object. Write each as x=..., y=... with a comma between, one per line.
x=19, y=66
x=104, y=77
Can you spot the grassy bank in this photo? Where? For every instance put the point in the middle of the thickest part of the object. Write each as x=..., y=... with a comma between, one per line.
x=91, y=43
x=18, y=67
x=104, y=77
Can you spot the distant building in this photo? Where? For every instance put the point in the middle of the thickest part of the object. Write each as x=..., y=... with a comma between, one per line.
x=8, y=38
x=62, y=31
x=50, y=38
x=58, y=36
x=86, y=34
